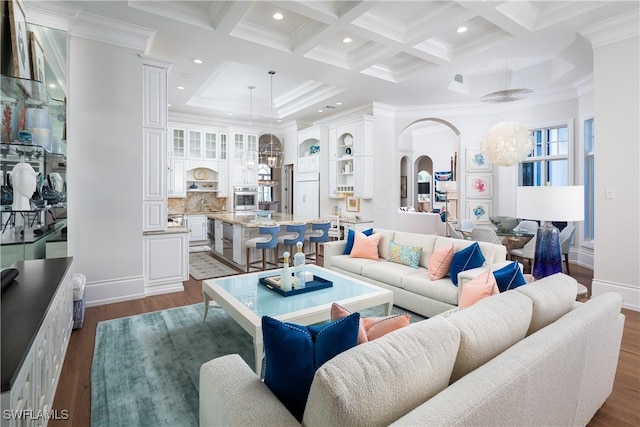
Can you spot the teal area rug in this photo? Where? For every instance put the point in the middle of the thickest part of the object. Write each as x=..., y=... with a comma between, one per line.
x=146, y=368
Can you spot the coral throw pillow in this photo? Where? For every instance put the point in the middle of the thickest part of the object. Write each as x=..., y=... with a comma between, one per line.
x=365, y=246
x=440, y=262
x=481, y=287
x=372, y=327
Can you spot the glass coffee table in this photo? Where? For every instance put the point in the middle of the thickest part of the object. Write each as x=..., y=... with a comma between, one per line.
x=246, y=301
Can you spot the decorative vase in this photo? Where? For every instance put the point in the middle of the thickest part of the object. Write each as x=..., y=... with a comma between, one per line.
x=548, y=253
x=285, y=274
x=299, y=267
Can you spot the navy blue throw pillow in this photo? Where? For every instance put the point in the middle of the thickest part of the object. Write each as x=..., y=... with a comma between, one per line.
x=465, y=259
x=351, y=236
x=293, y=353
x=509, y=277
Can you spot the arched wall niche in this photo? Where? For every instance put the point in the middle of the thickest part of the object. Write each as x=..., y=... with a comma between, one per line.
x=432, y=142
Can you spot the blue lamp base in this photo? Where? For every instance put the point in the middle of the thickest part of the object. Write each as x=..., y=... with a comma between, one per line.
x=548, y=255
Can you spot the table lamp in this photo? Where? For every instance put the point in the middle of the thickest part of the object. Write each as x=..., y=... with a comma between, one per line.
x=549, y=203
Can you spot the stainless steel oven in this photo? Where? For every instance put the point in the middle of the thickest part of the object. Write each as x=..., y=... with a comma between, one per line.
x=245, y=199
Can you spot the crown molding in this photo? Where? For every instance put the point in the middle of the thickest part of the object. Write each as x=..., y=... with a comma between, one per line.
x=384, y=110
x=584, y=85
x=57, y=15
x=346, y=116
x=612, y=30
x=111, y=31
x=155, y=62
x=178, y=11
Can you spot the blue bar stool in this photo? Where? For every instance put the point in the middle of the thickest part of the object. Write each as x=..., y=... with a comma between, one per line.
x=294, y=234
x=319, y=233
x=268, y=239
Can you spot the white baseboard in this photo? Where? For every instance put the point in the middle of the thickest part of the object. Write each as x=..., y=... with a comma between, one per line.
x=163, y=289
x=582, y=257
x=118, y=290
x=630, y=295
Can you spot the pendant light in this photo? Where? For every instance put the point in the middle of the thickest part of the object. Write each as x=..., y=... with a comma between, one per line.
x=506, y=143
x=271, y=153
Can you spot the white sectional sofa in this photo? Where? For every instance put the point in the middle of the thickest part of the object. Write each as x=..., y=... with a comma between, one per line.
x=412, y=288
x=527, y=357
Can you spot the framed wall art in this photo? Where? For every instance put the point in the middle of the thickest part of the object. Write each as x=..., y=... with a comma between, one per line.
x=476, y=161
x=19, y=41
x=479, y=210
x=479, y=185
x=37, y=59
x=353, y=204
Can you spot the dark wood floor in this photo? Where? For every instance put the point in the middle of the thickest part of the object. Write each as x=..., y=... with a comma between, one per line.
x=74, y=389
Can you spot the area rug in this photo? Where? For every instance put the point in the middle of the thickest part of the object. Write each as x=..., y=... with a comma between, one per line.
x=204, y=266
x=200, y=248
x=145, y=369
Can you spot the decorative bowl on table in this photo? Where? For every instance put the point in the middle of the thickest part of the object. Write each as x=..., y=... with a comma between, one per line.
x=504, y=223
x=262, y=213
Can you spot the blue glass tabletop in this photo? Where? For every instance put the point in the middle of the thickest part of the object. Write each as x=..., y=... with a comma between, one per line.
x=265, y=302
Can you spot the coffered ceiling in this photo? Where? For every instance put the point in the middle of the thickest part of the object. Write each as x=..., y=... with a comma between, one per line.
x=401, y=53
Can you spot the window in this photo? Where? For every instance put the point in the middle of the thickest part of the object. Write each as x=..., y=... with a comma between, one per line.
x=266, y=184
x=589, y=164
x=548, y=162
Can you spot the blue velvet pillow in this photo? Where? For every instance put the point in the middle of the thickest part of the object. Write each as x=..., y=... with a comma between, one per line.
x=351, y=237
x=465, y=259
x=509, y=277
x=293, y=353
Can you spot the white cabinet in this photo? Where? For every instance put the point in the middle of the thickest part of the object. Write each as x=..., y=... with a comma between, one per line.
x=309, y=149
x=166, y=262
x=307, y=200
x=351, y=159
x=34, y=385
x=197, y=225
x=245, y=159
x=178, y=144
x=177, y=179
x=203, y=144
x=154, y=133
x=223, y=179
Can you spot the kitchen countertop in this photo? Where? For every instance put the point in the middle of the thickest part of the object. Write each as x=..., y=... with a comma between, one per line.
x=250, y=220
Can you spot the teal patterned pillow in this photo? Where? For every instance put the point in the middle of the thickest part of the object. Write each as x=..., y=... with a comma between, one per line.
x=407, y=255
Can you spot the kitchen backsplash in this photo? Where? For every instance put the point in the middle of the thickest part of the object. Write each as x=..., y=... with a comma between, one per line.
x=191, y=203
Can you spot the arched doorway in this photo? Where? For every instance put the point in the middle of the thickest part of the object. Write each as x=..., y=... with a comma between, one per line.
x=433, y=144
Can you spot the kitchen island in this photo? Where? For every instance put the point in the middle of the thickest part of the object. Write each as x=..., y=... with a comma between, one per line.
x=230, y=231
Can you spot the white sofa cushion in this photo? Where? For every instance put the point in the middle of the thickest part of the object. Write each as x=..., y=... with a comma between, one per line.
x=442, y=290
x=386, y=236
x=352, y=265
x=389, y=272
x=488, y=328
x=377, y=382
x=553, y=297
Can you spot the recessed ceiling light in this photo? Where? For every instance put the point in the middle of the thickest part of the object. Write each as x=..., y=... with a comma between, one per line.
x=229, y=114
x=338, y=103
x=279, y=121
x=320, y=110
x=461, y=30
x=168, y=105
x=197, y=61
x=52, y=85
x=278, y=16
x=347, y=40
x=180, y=87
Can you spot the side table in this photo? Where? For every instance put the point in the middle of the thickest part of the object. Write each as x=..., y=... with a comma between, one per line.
x=582, y=289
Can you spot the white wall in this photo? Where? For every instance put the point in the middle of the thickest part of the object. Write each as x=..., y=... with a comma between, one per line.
x=105, y=168
x=617, y=138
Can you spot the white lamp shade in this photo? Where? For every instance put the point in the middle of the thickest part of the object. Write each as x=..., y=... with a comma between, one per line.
x=550, y=203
